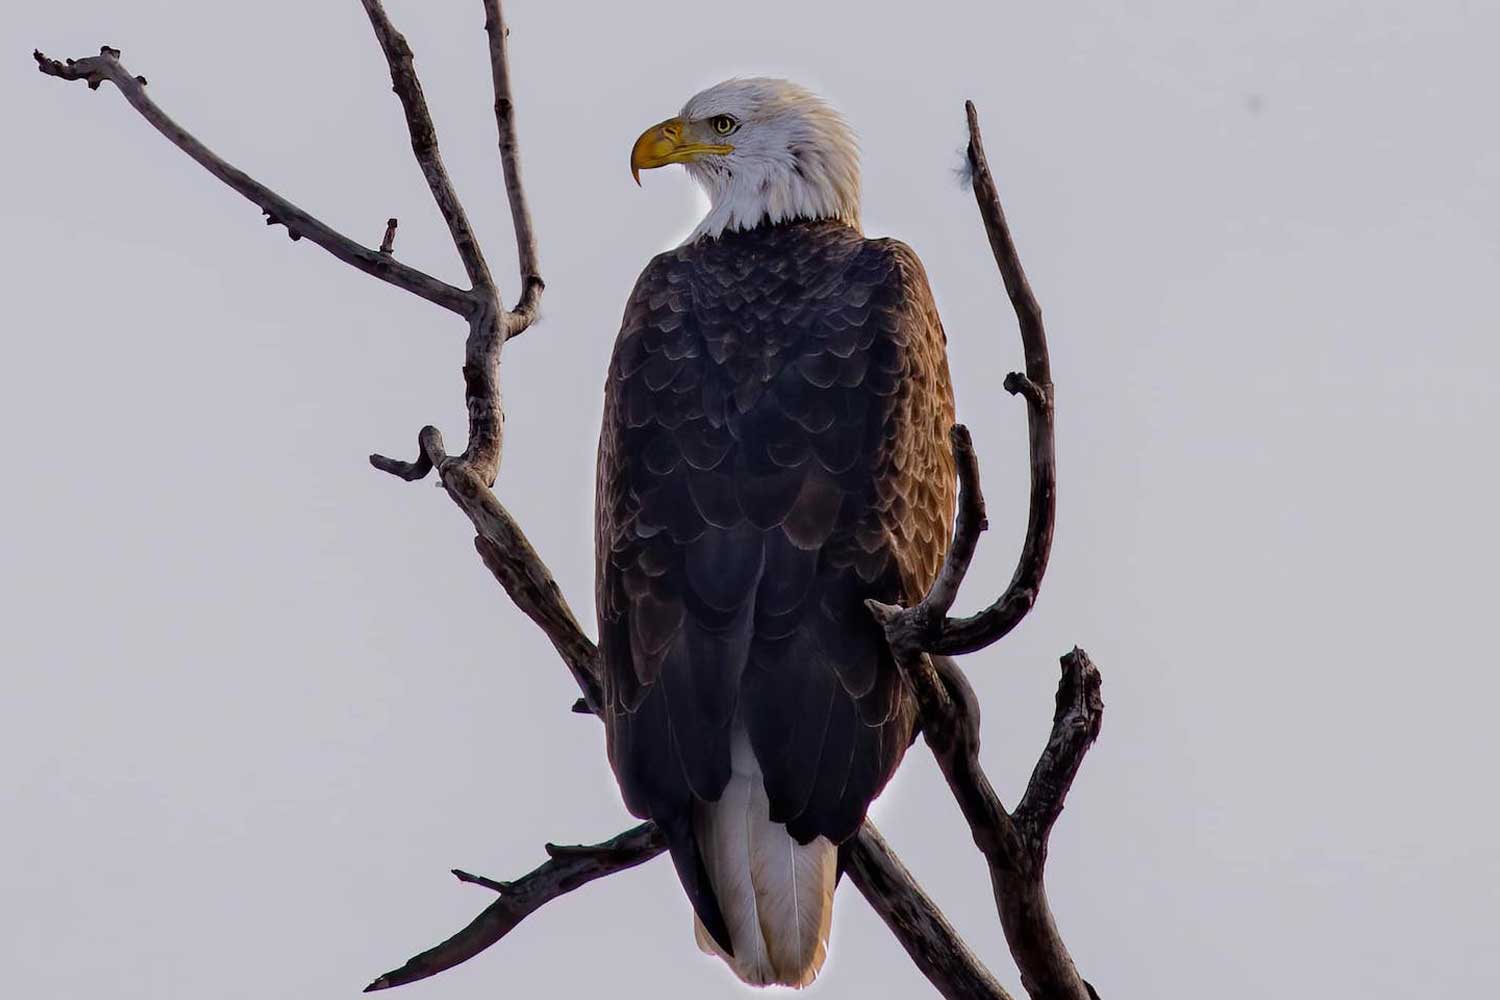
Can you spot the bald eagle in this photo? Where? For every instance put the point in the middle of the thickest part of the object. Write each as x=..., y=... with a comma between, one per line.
x=774, y=452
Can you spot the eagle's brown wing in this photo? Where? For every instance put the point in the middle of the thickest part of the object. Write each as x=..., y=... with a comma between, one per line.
x=774, y=452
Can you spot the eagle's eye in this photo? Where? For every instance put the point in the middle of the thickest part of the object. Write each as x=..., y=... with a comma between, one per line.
x=722, y=124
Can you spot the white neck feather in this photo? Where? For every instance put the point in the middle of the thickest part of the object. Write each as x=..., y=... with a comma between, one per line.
x=795, y=158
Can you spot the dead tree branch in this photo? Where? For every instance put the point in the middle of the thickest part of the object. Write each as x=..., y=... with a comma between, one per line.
x=931, y=942
x=509, y=555
x=106, y=66
x=916, y=921
x=510, y=162
x=564, y=870
x=490, y=325
x=1013, y=844
x=965, y=635
x=953, y=636
x=1075, y=727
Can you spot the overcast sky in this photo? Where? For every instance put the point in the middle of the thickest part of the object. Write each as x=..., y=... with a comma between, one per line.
x=247, y=723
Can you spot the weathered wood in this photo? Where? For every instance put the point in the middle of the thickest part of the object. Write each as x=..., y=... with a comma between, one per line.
x=1014, y=846
x=106, y=66
x=564, y=870
x=524, y=311
x=966, y=635
x=916, y=921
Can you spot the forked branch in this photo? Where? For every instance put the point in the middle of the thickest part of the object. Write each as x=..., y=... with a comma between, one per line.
x=965, y=635
x=106, y=67
x=928, y=621
x=1014, y=846
x=564, y=870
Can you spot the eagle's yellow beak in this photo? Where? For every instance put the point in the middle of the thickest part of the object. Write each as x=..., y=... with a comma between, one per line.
x=668, y=142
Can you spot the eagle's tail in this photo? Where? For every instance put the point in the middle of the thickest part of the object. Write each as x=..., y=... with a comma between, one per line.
x=776, y=895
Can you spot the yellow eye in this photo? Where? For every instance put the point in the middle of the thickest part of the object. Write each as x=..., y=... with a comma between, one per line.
x=722, y=124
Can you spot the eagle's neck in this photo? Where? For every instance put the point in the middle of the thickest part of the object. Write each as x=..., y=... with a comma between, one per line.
x=813, y=181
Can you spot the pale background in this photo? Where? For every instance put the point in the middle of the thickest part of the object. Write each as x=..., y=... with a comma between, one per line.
x=246, y=721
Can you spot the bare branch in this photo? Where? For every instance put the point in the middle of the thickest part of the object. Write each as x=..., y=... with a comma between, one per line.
x=488, y=883
x=106, y=66
x=489, y=325
x=531, y=586
x=954, y=740
x=868, y=860
x=1014, y=847
x=531, y=276
x=424, y=145
x=911, y=915
x=509, y=555
x=1022, y=299
x=1075, y=727
x=965, y=635
x=429, y=453
x=560, y=874
x=925, y=626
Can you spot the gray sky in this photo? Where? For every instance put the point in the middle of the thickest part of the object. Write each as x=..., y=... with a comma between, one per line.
x=245, y=726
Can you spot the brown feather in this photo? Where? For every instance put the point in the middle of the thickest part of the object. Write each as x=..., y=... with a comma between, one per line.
x=774, y=452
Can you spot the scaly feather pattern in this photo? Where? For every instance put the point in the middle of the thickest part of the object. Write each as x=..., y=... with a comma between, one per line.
x=774, y=452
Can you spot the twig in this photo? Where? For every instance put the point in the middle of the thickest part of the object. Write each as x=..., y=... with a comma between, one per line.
x=868, y=860
x=1075, y=727
x=510, y=161
x=558, y=875
x=107, y=66
x=429, y=453
x=488, y=883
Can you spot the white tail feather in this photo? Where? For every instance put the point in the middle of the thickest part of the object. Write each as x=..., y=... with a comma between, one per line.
x=776, y=895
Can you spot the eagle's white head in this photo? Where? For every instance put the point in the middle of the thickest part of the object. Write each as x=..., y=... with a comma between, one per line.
x=765, y=150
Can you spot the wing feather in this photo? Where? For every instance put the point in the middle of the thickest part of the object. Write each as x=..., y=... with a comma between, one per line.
x=774, y=452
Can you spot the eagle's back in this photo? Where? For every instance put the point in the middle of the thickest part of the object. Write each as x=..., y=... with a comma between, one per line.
x=774, y=452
